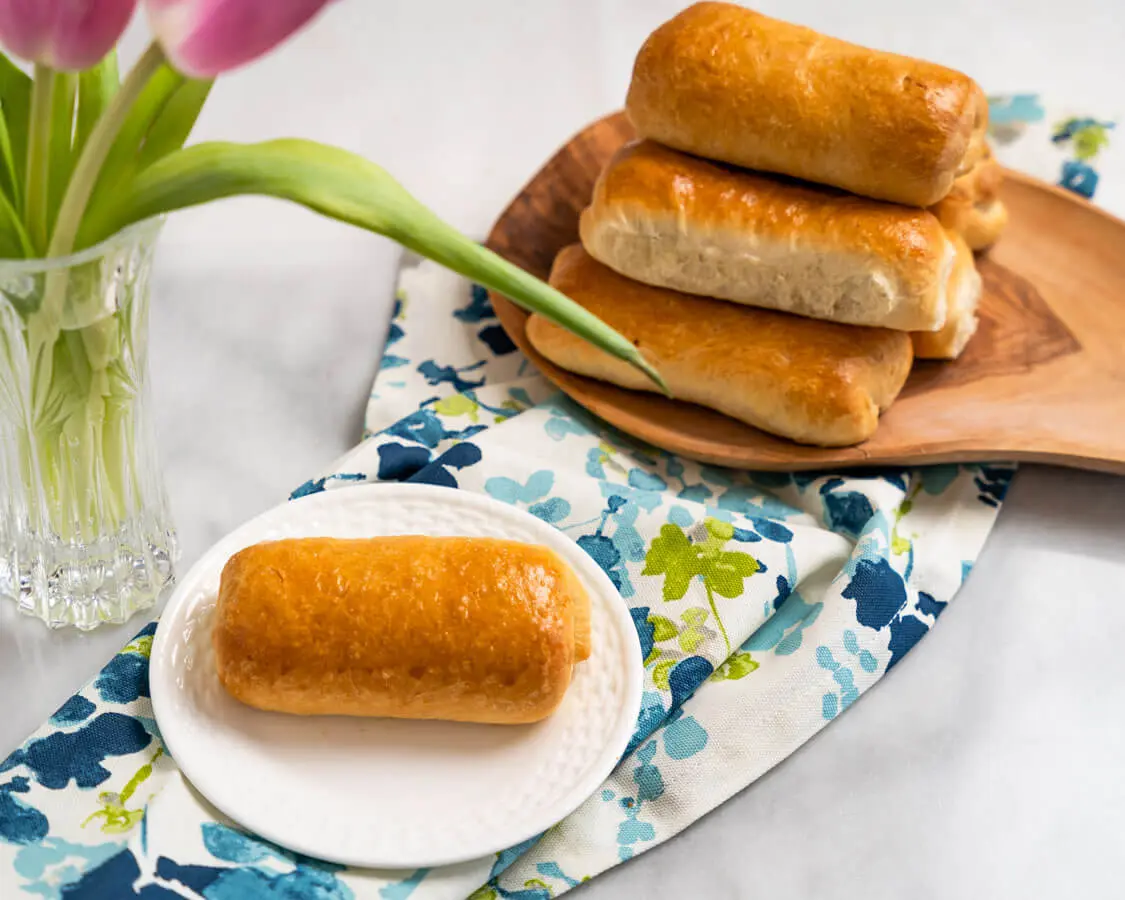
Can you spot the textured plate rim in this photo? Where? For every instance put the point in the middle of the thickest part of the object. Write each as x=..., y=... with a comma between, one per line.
x=162, y=676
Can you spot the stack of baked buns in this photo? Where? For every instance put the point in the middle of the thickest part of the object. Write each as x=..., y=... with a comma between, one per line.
x=793, y=226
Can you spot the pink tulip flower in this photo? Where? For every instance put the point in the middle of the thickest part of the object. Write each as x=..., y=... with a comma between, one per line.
x=203, y=38
x=63, y=34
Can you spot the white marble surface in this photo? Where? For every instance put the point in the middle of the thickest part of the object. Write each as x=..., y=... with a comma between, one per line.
x=987, y=765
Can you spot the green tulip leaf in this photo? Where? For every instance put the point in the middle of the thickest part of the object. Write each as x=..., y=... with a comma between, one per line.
x=351, y=189
x=96, y=87
x=173, y=124
x=15, y=106
x=14, y=241
x=10, y=189
x=121, y=162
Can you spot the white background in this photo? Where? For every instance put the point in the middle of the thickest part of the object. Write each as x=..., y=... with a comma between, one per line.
x=990, y=764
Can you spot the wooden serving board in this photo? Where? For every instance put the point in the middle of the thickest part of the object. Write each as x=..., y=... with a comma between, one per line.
x=1043, y=380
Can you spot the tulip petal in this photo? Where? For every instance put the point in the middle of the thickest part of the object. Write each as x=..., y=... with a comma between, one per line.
x=203, y=38
x=24, y=26
x=63, y=34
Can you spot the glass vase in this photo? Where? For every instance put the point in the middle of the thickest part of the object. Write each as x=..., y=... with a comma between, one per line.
x=85, y=532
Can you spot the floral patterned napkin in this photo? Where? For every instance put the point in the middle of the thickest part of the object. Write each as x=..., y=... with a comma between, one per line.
x=1067, y=147
x=765, y=605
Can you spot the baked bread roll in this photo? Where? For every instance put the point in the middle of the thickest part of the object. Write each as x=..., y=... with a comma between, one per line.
x=961, y=323
x=985, y=224
x=676, y=221
x=726, y=83
x=814, y=382
x=973, y=207
x=468, y=629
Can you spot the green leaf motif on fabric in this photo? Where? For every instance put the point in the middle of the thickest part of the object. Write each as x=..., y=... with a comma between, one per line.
x=117, y=818
x=142, y=646
x=719, y=531
x=1089, y=137
x=484, y=893
x=660, y=674
x=899, y=544
x=605, y=456
x=693, y=633
x=458, y=405
x=723, y=572
x=728, y=571
x=737, y=666
x=672, y=555
x=663, y=629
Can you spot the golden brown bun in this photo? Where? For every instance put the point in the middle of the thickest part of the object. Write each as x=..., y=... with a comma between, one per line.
x=726, y=83
x=468, y=629
x=986, y=223
x=961, y=323
x=973, y=207
x=677, y=221
x=814, y=382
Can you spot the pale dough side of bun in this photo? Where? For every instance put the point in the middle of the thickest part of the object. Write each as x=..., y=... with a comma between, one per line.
x=964, y=298
x=726, y=83
x=673, y=220
x=813, y=382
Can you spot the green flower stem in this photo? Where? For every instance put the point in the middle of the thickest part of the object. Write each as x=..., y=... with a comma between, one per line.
x=79, y=442
x=96, y=88
x=97, y=149
x=79, y=459
x=38, y=157
x=44, y=327
x=60, y=153
x=715, y=612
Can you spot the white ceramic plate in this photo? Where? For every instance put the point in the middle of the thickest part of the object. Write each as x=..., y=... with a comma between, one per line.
x=381, y=792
